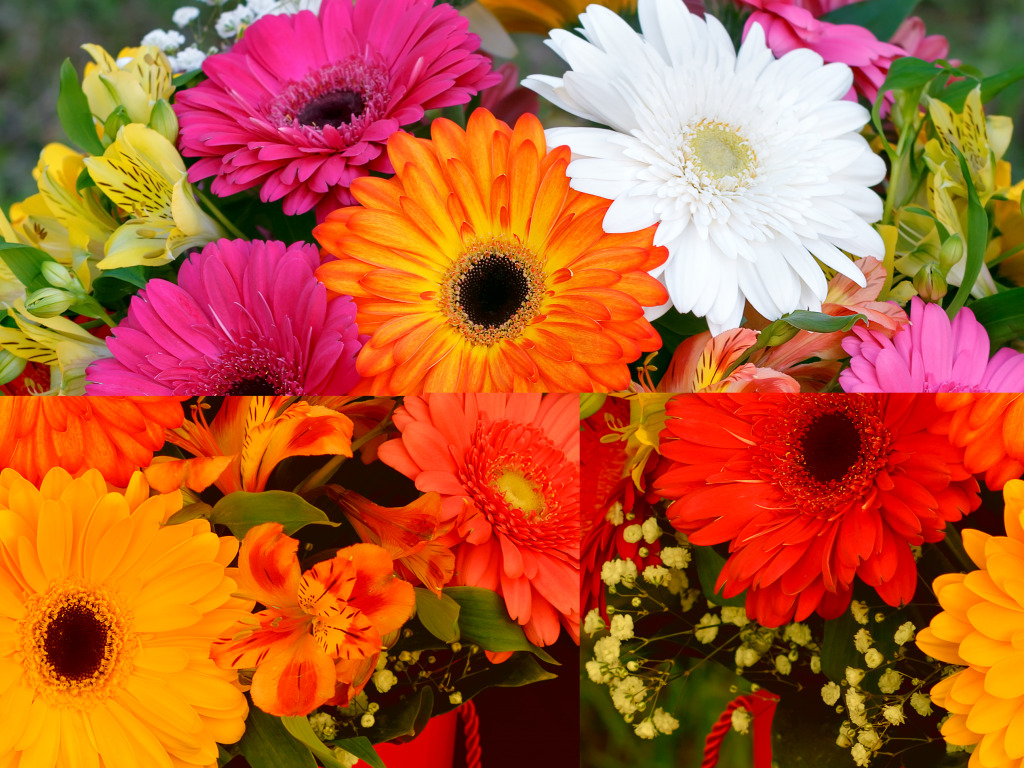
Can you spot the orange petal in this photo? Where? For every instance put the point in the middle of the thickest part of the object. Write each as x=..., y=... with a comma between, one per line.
x=296, y=682
x=268, y=566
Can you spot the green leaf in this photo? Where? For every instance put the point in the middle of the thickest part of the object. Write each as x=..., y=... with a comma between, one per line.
x=25, y=262
x=709, y=565
x=956, y=94
x=300, y=728
x=404, y=719
x=241, y=511
x=268, y=744
x=837, y=649
x=1002, y=315
x=484, y=620
x=882, y=17
x=440, y=616
x=361, y=747
x=977, y=240
x=184, y=78
x=820, y=322
x=74, y=113
x=190, y=512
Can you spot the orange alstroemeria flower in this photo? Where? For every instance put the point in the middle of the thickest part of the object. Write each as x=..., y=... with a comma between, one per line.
x=321, y=631
x=116, y=435
x=415, y=535
x=248, y=437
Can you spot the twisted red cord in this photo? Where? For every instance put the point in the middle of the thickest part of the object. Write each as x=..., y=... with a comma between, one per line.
x=761, y=706
x=471, y=731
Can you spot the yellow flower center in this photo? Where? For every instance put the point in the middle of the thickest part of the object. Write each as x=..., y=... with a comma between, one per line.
x=492, y=291
x=521, y=493
x=76, y=644
x=718, y=151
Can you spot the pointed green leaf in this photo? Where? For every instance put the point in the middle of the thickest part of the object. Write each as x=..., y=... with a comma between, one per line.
x=1002, y=315
x=440, y=616
x=484, y=620
x=300, y=728
x=709, y=565
x=74, y=113
x=25, y=262
x=267, y=743
x=820, y=322
x=977, y=240
x=361, y=747
x=241, y=511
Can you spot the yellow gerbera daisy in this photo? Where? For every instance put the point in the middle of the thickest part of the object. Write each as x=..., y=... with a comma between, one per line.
x=980, y=628
x=541, y=16
x=106, y=621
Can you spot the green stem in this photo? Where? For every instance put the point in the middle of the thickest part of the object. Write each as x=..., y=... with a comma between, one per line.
x=216, y=212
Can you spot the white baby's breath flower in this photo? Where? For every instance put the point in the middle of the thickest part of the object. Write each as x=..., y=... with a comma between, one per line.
x=905, y=633
x=165, y=40
x=830, y=693
x=921, y=703
x=632, y=533
x=894, y=714
x=187, y=59
x=384, y=680
x=614, y=515
x=797, y=633
x=707, y=628
x=741, y=720
x=622, y=626
x=651, y=531
x=752, y=168
x=854, y=676
x=783, y=665
x=890, y=681
x=862, y=640
x=185, y=15
x=593, y=622
x=746, y=656
x=734, y=614
x=645, y=729
x=606, y=650
x=598, y=672
x=627, y=692
x=869, y=738
x=859, y=609
x=861, y=755
x=675, y=557
x=664, y=722
x=656, y=575
x=873, y=658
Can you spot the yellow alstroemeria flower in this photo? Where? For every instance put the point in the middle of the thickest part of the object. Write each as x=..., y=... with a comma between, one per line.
x=136, y=80
x=57, y=342
x=143, y=174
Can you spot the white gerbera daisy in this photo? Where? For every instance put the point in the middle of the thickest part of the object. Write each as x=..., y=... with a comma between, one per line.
x=751, y=166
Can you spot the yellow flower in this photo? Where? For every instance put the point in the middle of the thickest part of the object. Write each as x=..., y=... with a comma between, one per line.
x=137, y=80
x=980, y=628
x=107, y=618
x=541, y=16
x=55, y=341
x=143, y=174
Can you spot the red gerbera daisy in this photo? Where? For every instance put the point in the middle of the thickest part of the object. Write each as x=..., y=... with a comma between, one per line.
x=610, y=502
x=810, y=491
x=507, y=468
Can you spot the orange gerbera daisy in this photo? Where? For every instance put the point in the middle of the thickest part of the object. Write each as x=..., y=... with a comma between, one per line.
x=249, y=436
x=106, y=620
x=321, y=630
x=116, y=435
x=507, y=467
x=476, y=268
x=990, y=427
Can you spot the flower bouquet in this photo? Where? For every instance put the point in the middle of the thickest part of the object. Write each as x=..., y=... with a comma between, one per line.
x=842, y=569
x=335, y=197
x=274, y=581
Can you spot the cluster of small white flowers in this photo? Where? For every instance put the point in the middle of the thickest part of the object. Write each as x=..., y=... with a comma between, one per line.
x=657, y=575
x=187, y=59
x=618, y=571
x=594, y=622
x=735, y=615
x=862, y=640
x=741, y=720
x=324, y=726
x=165, y=40
x=628, y=694
x=859, y=610
x=905, y=633
x=675, y=557
x=707, y=628
x=622, y=626
x=384, y=680
x=185, y=16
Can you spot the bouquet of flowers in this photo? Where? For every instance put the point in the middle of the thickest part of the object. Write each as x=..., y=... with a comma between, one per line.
x=330, y=198
x=276, y=581
x=851, y=561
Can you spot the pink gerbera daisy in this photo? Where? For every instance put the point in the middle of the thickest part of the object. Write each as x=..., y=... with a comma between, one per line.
x=303, y=104
x=246, y=318
x=507, y=467
x=931, y=354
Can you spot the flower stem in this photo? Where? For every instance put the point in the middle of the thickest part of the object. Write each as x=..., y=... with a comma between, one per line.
x=217, y=214
x=320, y=476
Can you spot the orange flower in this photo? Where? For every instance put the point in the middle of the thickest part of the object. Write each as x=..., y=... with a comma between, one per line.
x=990, y=427
x=507, y=467
x=249, y=436
x=702, y=362
x=476, y=268
x=541, y=16
x=321, y=632
x=412, y=534
x=116, y=435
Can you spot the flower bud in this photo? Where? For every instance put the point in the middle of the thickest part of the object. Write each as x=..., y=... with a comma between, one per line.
x=591, y=403
x=163, y=120
x=951, y=252
x=48, y=302
x=930, y=283
x=57, y=275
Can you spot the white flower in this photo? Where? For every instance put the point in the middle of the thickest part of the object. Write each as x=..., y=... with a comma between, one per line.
x=890, y=681
x=185, y=15
x=783, y=665
x=752, y=168
x=816, y=664
x=186, y=60
x=869, y=738
x=873, y=658
x=656, y=575
x=830, y=693
x=232, y=23
x=367, y=720
x=614, y=514
x=905, y=633
x=632, y=533
x=921, y=703
x=347, y=759
x=862, y=640
x=861, y=755
x=894, y=714
x=593, y=622
x=854, y=676
x=859, y=609
x=664, y=722
x=164, y=40
x=622, y=626
x=707, y=628
x=618, y=571
x=733, y=614
x=675, y=557
x=797, y=633
x=645, y=729
x=606, y=650
x=626, y=693
x=746, y=656
x=741, y=720
x=455, y=698
x=651, y=530
x=384, y=680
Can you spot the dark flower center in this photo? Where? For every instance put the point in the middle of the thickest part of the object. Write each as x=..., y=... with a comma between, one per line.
x=830, y=445
x=254, y=386
x=336, y=108
x=75, y=642
x=492, y=290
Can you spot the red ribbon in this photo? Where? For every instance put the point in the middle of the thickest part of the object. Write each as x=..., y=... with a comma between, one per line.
x=761, y=706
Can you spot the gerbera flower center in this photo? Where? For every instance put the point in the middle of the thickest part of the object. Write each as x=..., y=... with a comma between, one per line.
x=518, y=479
x=716, y=152
x=250, y=368
x=77, y=644
x=492, y=291
x=822, y=451
x=346, y=96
